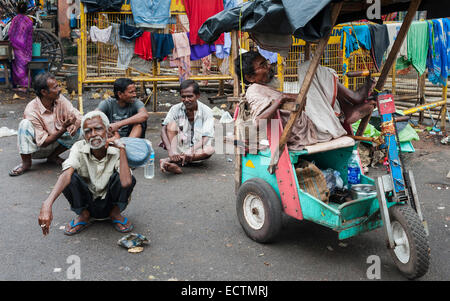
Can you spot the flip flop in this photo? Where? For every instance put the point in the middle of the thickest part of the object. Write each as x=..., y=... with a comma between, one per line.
x=16, y=171
x=72, y=225
x=115, y=222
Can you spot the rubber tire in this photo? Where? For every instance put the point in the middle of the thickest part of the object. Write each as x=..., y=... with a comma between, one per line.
x=419, y=260
x=272, y=210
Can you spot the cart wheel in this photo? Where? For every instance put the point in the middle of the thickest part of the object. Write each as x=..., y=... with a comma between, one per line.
x=259, y=210
x=411, y=253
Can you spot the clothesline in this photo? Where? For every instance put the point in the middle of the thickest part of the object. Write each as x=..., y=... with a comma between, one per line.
x=427, y=46
x=139, y=40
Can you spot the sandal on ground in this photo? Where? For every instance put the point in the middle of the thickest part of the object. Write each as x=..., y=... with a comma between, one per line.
x=17, y=171
x=72, y=225
x=125, y=220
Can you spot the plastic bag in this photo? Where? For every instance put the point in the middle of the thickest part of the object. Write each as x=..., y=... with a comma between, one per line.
x=334, y=180
x=138, y=150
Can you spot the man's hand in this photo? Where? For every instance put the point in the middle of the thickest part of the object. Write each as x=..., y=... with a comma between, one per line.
x=114, y=127
x=45, y=218
x=115, y=142
x=186, y=158
x=68, y=122
x=174, y=157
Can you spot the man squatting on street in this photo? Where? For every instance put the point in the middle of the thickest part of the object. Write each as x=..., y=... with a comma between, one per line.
x=96, y=179
x=187, y=131
x=50, y=125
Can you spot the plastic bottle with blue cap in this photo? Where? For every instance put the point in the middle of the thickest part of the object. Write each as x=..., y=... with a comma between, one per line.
x=149, y=167
x=354, y=171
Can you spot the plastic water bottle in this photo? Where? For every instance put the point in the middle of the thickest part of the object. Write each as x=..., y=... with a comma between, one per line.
x=354, y=171
x=149, y=168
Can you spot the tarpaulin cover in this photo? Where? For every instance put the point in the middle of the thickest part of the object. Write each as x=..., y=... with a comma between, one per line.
x=305, y=19
x=102, y=5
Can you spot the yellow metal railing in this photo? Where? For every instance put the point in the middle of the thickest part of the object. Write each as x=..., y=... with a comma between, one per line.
x=97, y=61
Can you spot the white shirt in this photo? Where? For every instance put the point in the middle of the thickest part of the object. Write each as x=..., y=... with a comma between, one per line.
x=203, y=124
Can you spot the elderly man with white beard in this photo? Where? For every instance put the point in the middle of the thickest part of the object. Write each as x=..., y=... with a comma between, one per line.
x=96, y=179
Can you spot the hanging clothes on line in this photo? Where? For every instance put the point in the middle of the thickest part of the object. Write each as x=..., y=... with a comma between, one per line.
x=224, y=50
x=162, y=45
x=380, y=42
x=100, y=35
x=129, y=32
x=125, y=48
x=438, y=60
x=143, y=46
x=153, y=14
x=355, y=36
x=200, y=51
x=181, y=55
x=417, y=46
x=198, y=11
x=393, y=29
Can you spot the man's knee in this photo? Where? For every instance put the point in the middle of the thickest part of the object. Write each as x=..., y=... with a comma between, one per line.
x=209, y=150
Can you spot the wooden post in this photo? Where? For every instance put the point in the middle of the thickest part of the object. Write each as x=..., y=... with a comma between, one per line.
x=301, y=98
x=155, y=86
x=421, y=95
x=237, y=151
x=307, y=51
x=444, y=106
x=413, y=6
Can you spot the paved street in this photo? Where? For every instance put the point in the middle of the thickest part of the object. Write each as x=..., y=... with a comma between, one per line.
x=192, y=224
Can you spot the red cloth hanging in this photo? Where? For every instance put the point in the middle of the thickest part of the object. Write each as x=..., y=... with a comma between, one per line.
x=143, y=46
x=198, y=11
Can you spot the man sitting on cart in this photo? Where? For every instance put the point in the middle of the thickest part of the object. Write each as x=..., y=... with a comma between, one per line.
x=127, y=115
x=187, y=131
x=329, y=104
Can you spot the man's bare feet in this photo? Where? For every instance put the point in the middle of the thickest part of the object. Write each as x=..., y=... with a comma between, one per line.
x=166, y=166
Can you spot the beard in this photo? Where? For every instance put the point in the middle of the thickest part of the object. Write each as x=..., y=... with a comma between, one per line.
x=97, y=142
x=274, y=83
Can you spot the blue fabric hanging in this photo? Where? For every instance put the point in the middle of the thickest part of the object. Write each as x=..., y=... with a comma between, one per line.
x=438, y=58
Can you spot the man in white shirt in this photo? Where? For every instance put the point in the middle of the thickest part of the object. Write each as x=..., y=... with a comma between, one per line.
x=187, y=131
x=96, y=179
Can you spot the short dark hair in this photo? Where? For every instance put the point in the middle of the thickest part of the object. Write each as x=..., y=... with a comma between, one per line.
x=40, y=82
x=190, y=83
x=22, y=7
x=121, y=85
x=247, y=64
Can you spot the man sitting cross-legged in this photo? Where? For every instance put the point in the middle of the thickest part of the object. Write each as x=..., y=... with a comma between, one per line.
x=187, y=131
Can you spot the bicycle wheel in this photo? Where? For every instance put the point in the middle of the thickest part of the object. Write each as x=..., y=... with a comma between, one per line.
x=51, y=48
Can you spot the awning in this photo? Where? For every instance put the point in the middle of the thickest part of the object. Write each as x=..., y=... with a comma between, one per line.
x=305, y=19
